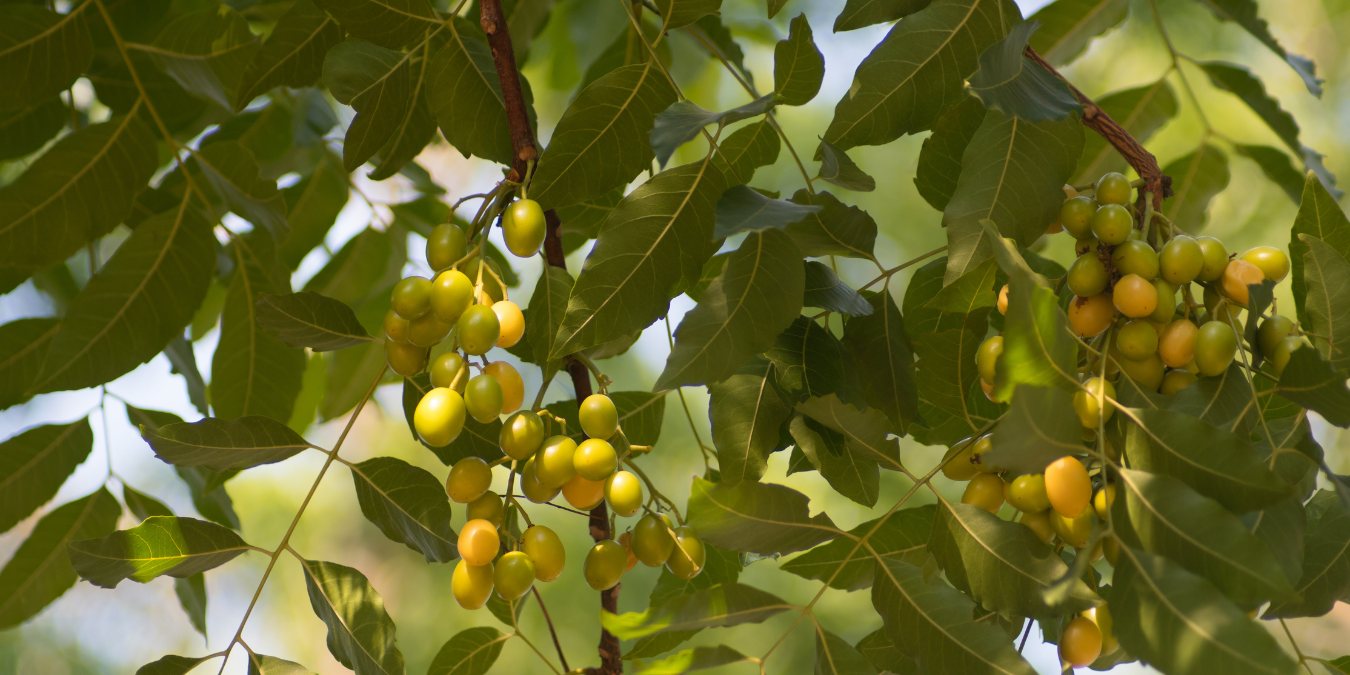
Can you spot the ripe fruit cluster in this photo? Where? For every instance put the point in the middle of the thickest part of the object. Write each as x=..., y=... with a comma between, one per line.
x=584, y=474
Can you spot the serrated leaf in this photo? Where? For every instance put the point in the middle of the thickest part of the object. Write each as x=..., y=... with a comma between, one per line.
x=720, y=606
x=39, y=571
x=1169, y=519
x=744, y=209
x=233, y=173
x=1217, y=464
x=34, y=464
x=683, y=121
x=78, y=190
x=827, y=291
x=837, y=229
x=838, y=168
x=1140, y=111
x=798, y=66
x=42, y=52
x=1011, y=83
x=1039, y=428
x=1069, y=26
x=617, y=292
x=865, y=430
x=293, y=54
x=178, y=547
x=1326, y=276
x=1012, y=173
x=308, y=319
x=934, y=623
x=862, y=13
x=1325, y=575
x=172, y=665
x=746, y=149
x=939, y=165
x=477, y=440
x=360, y=632
x=601, y=141
x=1311, y=381
x=901, y=536
x=261, y=664
x=698, y=658
x=469, y=652
x=141, y=298
x=756, y=517
x=25, y=131
x=880, y=340
x=206, y=52
x=1277, y=167
x=224, y=445
x=1318, y=216
x=916, y=72
x=1182, y=624
x=852, y=475
x=408, y=504
x=746, y=412
x=388, y=23
x=878, y=649
x=1198, y=177
x=1244, y=13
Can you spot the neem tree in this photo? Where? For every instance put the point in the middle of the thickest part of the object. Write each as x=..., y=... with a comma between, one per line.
x=1144, y=414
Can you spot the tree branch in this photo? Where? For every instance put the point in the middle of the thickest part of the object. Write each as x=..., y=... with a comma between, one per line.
x=524, y=149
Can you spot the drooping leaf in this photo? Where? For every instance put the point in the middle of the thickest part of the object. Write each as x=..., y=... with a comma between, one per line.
x=307, y=319
x=810, y=361
x=261, y=664
x=864, y=430
x=206, y=52
x=939, y=165
x=827, y=291
x=1318, y=216
x=548, y=305
x=39, y=571
x=955, y=327
x=312, y=206
x=916, y=73
x=901, y=536
x=698, y=658
x=852, y=475
x=1277, y=167
x=178, y=547
x=208, y=494
x=183, y=361
x=191, y=594
x=862, y=13
x=388, y=23
x=1326, y=276
x=1011, y=83
x=721, y=606
x=408, y=504
x=23, y=344
x=1310, y=381
x=1069, y=26
x=223, y=445
x=1197, y=178
x=756, y=517
x=1326, y=560
x=838, y=168
x=746, y=412
x=1039, y=347
x=360, y=632
x=469, y=652
x=745, y=209
x=1039, y=428
x=233, y=173
x=1244, y=13
x=880, y=340
x=1182, y=624
x=746, y=149
x=172, y=665
x=42, y=52
x=935, y=624
x=293, y=54
x=798, y=67
x=1140, y=111
x=377, y=83
x=25, y=131
x=683, y=121
x=34, y=464
x=618, y=292
x=415, y=129
x=466, y=97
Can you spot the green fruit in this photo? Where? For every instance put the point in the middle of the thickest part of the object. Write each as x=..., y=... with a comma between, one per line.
x=1214, y=257
x=534, y=490
x=546, y=550
x=1181, y=260
x=471, y=584
x=395, y=327
x=595, y=459
x=1148, y=372
x=411, y=297
x=652, y=541
x=605, y=564
x=513, y=576
x=687, y=556
x=469, y=479
x=521, y=435
x=1112, y=224
x=1027, y=493
x=1137, y=340
x=445, y=246
x=1087, y=275
x=427, y=330
x=1112, y=188
x=405, y=359
x=986, y=357
x=599, y=418
x=524, y=227
x=451, y=294
x=478, y=330
x=1284, y=349
x=1272, y=330
x=489, y=507
x=439, y=417
x=1166, y=308
x=553, y=463
x=1215, y=346
x=449, y=370
x=483, y=398
x=1083, y=246
x=1135, y=257
x=623, y=493
x=1175, y=380
x=1086, y=403
x=1076, y=217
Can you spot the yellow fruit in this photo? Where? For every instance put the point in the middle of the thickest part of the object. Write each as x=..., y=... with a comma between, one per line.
x=488, y=507
x=1102, y=501
x=583, y=494
x=1039, y=523
x=623, y=493
x=511, y=322
x=553, y=462
x=1074, y=531
x=478, y=542
x=595, y=459
x=1237, y=276
x=546, y=550
x=513, y=387
x=1274, y=264
x=471, y=585
x=599, y=418
x=1091, y=317
x=984, y=491
x=451, y=294
x=522, y=434
x=1081, y=643
x=959, y=464
x=1068, y=487
x=1088, y=406
x=1027, y=493
x=688, y=556
x=439, y=417
x=1101, y=616
x=469, y=478
x=1135, y=296
x=534, y=490
x=1176, y=345
x=1003, y=299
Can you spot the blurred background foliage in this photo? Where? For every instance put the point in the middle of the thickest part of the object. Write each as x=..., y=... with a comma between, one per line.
x=94, y=631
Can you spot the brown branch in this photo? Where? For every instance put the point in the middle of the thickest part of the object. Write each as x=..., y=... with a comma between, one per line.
x=1096, y=119
x=523, y=146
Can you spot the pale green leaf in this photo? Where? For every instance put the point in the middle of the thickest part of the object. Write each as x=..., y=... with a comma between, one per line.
x=721, y=567
x=307, y=319
x=1310, y=381
x=293, y=54
x=261, y=664
x=223, y=445
x=1196, y=179
x=746, y=412
x=408, y=504
x=837, y=229
x=834, y=656
x=388, y=23
x=1069, y=26
x=178, y=547
x=1011, y=83
x=1244, y=13
x=720, y=606
x=902, y=535
x=798, y=67
x=469, y=652
x=42, y=52
x=34, y=464
x=698, y=658
x=191, y=594
x=1040, y=427
x=939, y=165
x=360, y=632
x=172, y=665
x=756, y=517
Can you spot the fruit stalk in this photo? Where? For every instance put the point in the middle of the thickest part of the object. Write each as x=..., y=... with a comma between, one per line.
x=525, y=151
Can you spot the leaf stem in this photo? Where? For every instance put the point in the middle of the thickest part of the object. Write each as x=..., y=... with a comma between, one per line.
x=551, y=630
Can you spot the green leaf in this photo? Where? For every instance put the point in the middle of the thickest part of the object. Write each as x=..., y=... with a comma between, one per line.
x=1217, y=464
x=825, y=290
x=1040, y=348
x=1012, y=173
x=862, y=13
x=1002, y=564
x=837, y=229
x=878, y=649
x=1169, y=519
x=408, y=504
x=669, y=220
x=293, y=54
x=810, y=361
x=377, y=83
x=1318, y=216
x=626, y=50
x=721, y=567
x=916, y=73
x=252, y=372
x=1243, y=13
x=720, y=43
x=698, y=658
x=683, y=121
x=746, y=411
x=1326, y=276
x=798, y=67
x=223, y=445
x=183, y=361
x=312, y=386
x=1011, y=83
x=1277, y=167
x=206, y=52
x=956, y=318
x=365, y=266
x=469, y=652
x=548, y=305
x=178, y=547
x=388, y=23
x=141, y=298
x=1039, y=428
x=746, y=149
x=307, y=319
x=1197, y=178
x=1310, y=381
x=756, y=517
x=261, y=664
x=601, y=141
x=864, y=430
x=1140, y=111
x=413, y=131
x=172, y=665
x=880, y=340
x=142, y=505
x=39, y=571
x=680, y=13
x=1281, y=529
x=933, y=623
x=834, y=656
x=1325, y=575
x=939, y=165
x=78, y=190
x=852, y=475
x=25, y=131
x=901, y=536
x=836, y=167
x=1342, y=664
x=466, y=97
x=42, y=52
x=208, y=494
x=476, y=440
x=744, y=209
x=191, y=594
x=360, y=632
x=721, y=606
x=1180, y=623
x=233, y=172
x=23, y=344
x=1069, y=26
x=34, y=465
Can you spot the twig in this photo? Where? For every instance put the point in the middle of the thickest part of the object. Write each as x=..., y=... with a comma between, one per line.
x=551, y=631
